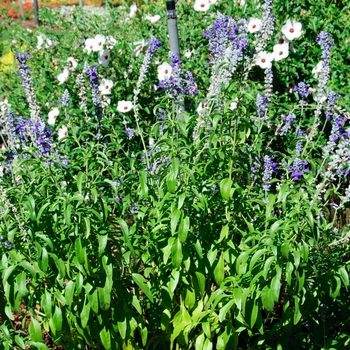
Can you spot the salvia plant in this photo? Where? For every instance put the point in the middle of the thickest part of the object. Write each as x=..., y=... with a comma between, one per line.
x=151, y=200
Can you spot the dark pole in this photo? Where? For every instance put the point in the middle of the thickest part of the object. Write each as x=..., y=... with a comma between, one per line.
x=36, y=12
x=172, y=26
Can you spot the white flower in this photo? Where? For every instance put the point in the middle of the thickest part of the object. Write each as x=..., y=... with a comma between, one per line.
x=233, y=104
x=105, y=100
x=110, y=42
x=4, y=105
x=99, y=42
x=153, y=19
x=201, y=107
x=43, y=39
x=280, y=51
x=124, y=106
x=104, y=58
x=133, y=10
x=53, y=116
x=63, y=77
x=202, y=5
x=254, y=25
x=139, y=47
x=164, y=71
x=62, y=132
x=317, y=69
x=189, y=53
x=264, y=59
x=73, y=62
x=105, y=86
x=292, y=29
x=89, y=45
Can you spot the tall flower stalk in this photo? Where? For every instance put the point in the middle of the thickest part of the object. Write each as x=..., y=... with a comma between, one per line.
x=27, y=83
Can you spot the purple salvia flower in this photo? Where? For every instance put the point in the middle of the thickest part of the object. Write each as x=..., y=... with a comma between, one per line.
x=65, y=100
x=269, y=168
x=262, y=104
x=177, y=85
x=27, y=83
x=331, y=102
x=94, y=84
x=287, y=123
x=303, y=90
x=130, y=133
x=298, y=167
x=268, y=25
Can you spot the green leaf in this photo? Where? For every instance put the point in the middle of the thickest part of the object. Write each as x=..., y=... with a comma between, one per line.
x=38, y=345
x=19, y=341
x=223, y=311
x=85, y=314
x=80, y=178
x=143, y=183
x=57, y=318
x=35, y=330
x=141, y=282
x=183, y=229
x=175, y=217
x=69, y=292
x=102, y=243
x=68, y=215
x=123, y=327
x=200, y=342
x=267, y=265
x=87, y=227
x=219, y=271
x=297, y=313
x=105, y=337
x=171, y=182
x=225, y=188
x=335, y=286
x=176, y=253
x=44, y=263
x=257, y=255
x=80, y=251
x=201, y=282
x=267, y=299
x=344, y=276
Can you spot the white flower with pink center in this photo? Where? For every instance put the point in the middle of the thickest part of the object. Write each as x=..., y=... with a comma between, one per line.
x=292, y=29
x=105, y=86
x=124, y=106
x=104, y=58
x=62, y=132
x=63, y=77
x=164, y=71
x=89, y=45
x=254, y=25
x=264, y=59
x=99, y=42
x=202, y=5
x=53, y=116
x=280, y=51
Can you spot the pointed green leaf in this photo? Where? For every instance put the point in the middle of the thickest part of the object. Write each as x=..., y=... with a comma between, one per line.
x=141, y=282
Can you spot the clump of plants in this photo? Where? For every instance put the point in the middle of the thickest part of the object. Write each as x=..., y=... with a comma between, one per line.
x=164, y=201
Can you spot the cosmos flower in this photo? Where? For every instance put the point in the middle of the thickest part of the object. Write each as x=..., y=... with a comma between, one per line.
x=89, y=45
x=124, y=106
x=62, y=132
x=73, y=63
x=202, y=5
x=292, y=29
x=264, y=59
x=63, y=77
x=105, y=86
x=164, y=71
x=104, y=58
x=99, y=42
x=53, y=116
x=254, y=25
x=280, y=51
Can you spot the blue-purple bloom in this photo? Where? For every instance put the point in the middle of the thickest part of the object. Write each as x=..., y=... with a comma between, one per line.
x=65, y=100
x=298, y=167
x=178, y=85
x=27, y=83
x=303, y=90
x=94, y=84
x=130, y=133
x=269, y=167
x=287, y=123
